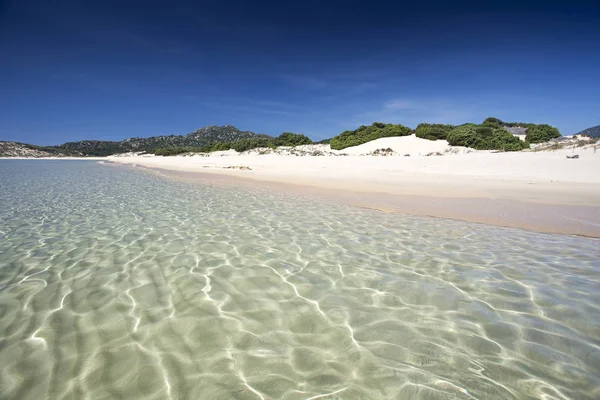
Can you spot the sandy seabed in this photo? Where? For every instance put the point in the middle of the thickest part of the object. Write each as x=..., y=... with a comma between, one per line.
x=117, y=282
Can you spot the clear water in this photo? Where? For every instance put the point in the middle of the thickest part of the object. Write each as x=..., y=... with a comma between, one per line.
x=120, y=284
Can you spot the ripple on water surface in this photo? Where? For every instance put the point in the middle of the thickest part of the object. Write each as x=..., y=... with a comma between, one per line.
x=116, y=283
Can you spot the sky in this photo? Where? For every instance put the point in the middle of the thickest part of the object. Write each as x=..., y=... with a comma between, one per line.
x=86, y=69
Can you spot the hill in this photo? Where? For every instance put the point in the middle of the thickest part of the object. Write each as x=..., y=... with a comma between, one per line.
x=594, y=132
x=199, y=138
x=15, y=149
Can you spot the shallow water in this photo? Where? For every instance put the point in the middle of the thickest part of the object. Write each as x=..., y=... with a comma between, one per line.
x=119, y=283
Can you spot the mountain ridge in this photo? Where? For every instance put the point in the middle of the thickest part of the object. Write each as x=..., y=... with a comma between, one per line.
x=198, y=138
x=593, y=131
x=24, y=150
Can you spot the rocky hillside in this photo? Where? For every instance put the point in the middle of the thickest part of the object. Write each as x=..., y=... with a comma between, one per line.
x=14, y=149
x=198, y=138
x=594, y=132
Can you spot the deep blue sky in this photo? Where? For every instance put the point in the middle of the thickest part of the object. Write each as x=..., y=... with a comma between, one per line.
x=87, y=69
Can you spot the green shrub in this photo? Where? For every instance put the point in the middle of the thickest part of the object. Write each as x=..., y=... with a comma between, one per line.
x=366, y=134
x=535, y=133
x=518, y=124
x=485, y=138
x=285, y=139
x=248, y=144
x=492, y=125
x=433, y=131
x=219, y=146
x=173, y=151
x=291, y=139
x=492, y=120
x=541, y=133
x=465, y=135
x=485, y=132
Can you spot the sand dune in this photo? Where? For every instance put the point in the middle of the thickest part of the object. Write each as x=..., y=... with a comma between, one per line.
x=404, y=145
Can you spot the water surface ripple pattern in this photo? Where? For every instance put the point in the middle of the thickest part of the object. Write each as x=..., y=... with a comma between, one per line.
x=121, y=284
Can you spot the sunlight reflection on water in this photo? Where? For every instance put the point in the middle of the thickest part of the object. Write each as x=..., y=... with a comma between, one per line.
x=116, y=283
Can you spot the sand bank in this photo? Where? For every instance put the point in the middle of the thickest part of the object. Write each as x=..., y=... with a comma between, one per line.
x=542, y=191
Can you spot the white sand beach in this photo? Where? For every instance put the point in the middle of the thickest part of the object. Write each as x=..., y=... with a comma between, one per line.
x=541, y=190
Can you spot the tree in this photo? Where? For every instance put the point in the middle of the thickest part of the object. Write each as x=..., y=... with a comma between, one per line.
x=433, y=131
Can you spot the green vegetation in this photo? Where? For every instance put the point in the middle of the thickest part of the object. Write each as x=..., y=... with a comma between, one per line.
x=94, y=148
x=492, y=133
x=173, y=151
x=53, y=150
x=240, y=145
x=485, y=138
x=291, y=139
x=285, y=139
x=541, y=133
x=365, y=134
x=492, y=122
x=433, y=131
x=535, y=133
x=197, y=139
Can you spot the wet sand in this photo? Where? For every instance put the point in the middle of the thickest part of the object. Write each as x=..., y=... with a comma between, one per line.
x=541, y=208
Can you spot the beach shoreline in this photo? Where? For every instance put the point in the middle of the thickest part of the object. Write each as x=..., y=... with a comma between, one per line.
x=571, y=208
x=542, y=191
